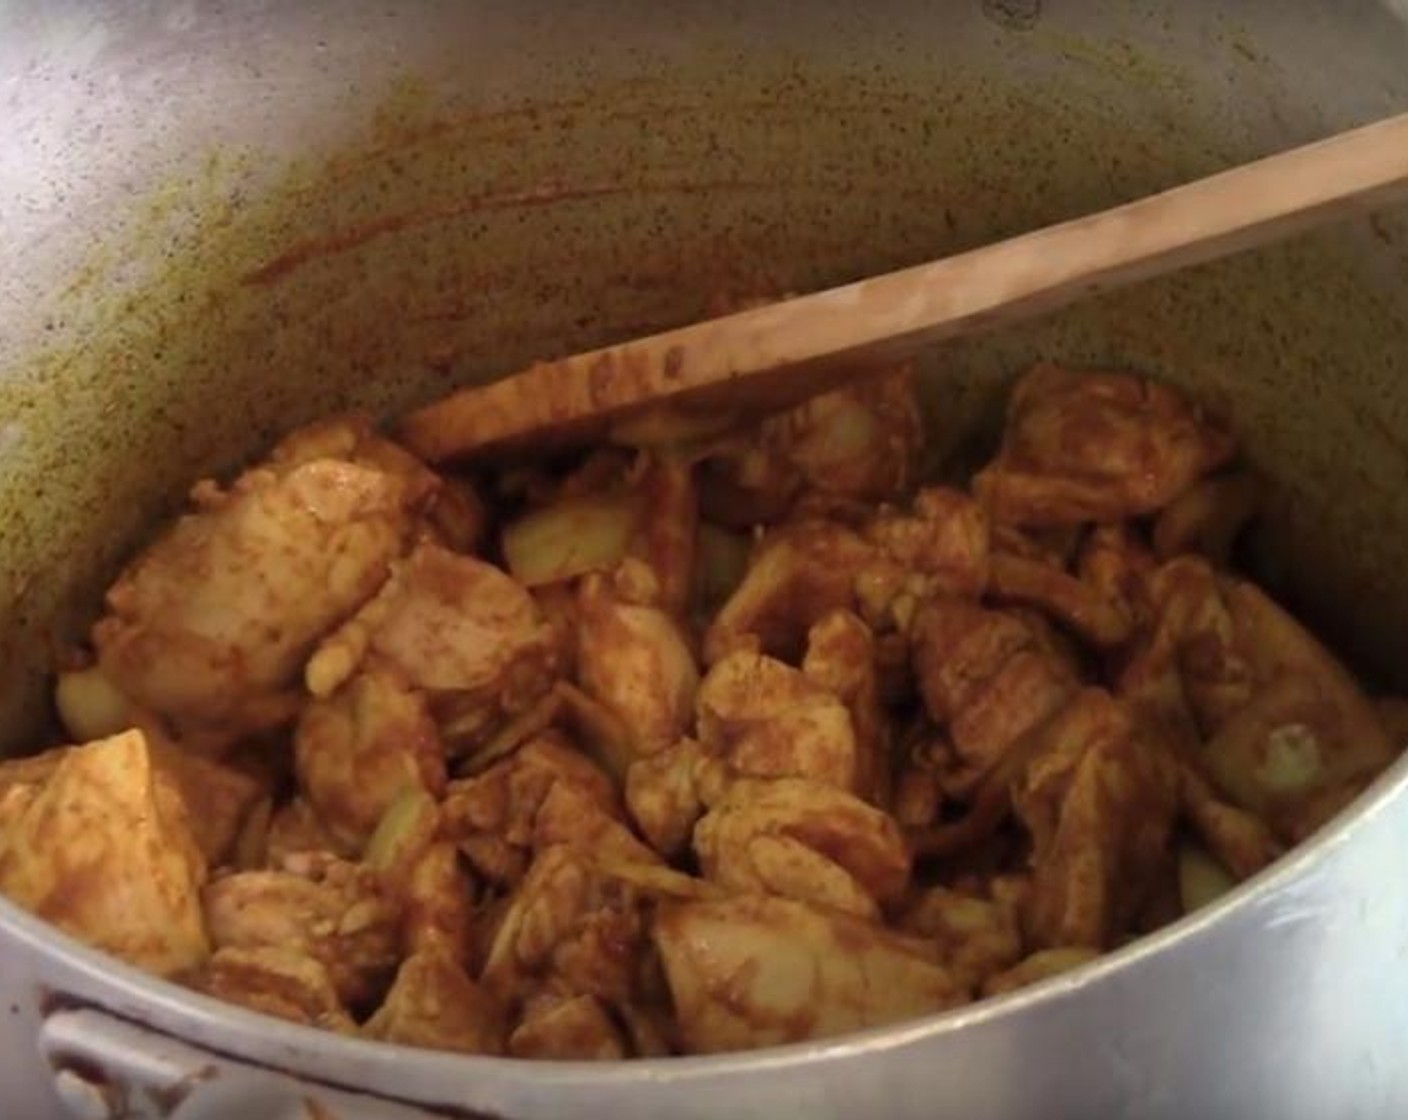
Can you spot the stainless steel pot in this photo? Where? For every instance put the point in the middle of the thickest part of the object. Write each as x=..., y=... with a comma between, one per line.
x=219, y=220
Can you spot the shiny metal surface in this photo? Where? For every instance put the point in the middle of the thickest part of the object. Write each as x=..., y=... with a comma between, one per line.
x=603, y=166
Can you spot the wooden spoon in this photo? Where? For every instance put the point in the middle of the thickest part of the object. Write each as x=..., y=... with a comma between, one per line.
x=783, y=352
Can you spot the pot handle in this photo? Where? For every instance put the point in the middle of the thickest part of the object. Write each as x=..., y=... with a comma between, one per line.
x=106, y=1068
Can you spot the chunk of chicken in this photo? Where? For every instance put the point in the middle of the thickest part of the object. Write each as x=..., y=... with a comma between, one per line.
x=30, y=770
x=569, y=930
x=1272, y=718
x=841, y=658
x=804, y=840
x=1096, y=447
x=761, y=971
x=1099, y=800
x=1307, y=730
x=544, y=793
x=351, y=438
x=663, y=794
x=357, y=749
x=1101, y=621
x=274, y=980
x=768, y=720
x=667, y=534
x=977, y=937
x=215, y=798
x=102, y=847
x=1187, y=675
x=210, y=627
x=804, y=570
x=986, y=677
x=634, y=660
x=577, y=1028
x=452, y=626
x=940, y=546
x=799, y=573
x=437, y=905
x=296, y=830
x=433, y=1003
x=335, y=913
x=859, y=442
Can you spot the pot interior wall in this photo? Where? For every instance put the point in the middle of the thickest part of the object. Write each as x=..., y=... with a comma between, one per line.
x=445, y=200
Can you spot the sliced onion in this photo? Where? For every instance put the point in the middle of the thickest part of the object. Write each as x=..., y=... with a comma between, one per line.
x=571, y=538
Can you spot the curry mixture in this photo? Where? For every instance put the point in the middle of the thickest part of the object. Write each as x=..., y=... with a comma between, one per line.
x=715, y=737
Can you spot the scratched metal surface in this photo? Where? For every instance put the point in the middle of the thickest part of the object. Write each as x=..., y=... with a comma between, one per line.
x=218, y=220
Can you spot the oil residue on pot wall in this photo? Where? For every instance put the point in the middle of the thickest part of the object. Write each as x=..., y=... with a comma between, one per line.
x=449, y=244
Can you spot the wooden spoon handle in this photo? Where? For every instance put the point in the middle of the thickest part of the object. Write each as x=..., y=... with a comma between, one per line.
x=783, y=352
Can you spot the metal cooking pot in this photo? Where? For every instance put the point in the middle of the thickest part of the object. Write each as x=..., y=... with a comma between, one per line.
x=219, y=220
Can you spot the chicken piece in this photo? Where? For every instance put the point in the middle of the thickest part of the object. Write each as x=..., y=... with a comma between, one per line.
x=1277, y=724
x=1115, y=564
x=800, y=839
x=332, y=911
x=1097, y=619
x=295, y=829
x=31, y=770
x=1041, y=965
x=858, y=442
x=919, y=792
x=977, y=937
x=767, y=720
x=986, y=677
x=544, y=793
x=663, y=795
x=940, y=546
x=574, y=1029
x=841, y=658
x=457, y=518
x=274, y=980
x=1096, y=447
x=210, y=627
x=357, y=749
x=1187, y=676
x=351, y=438
x=1307, y=732
x=218, y=798
x=437, y=901
x=1207, y=517
x=804, y=570
x=759, y=971
x=799, y=573
x=215, y=798
x=103, y=849
x=666, y=537
x=570, y=929
x=1099, y=800
x=433, y=1003
x=635, y=661
x=452, y=626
